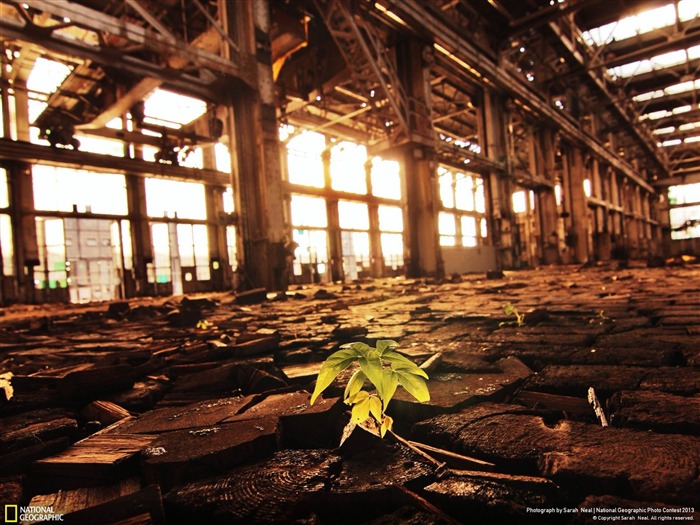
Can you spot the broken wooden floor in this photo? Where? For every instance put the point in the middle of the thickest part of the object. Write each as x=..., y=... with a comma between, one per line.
x=190, y=409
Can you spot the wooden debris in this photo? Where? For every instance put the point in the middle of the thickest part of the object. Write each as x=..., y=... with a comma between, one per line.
x=256, y=295
x=99, y=458
x=105, y=412
x=654, y=410
x=595, y=404
x=175, y=457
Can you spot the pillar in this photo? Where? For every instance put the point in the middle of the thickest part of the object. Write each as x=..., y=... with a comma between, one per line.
x=255, y=150
x=500, y=187
x=577, y=204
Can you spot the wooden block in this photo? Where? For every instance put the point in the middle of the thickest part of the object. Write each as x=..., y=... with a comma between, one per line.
x=68, y=501
x=102, y=456
x=544, y=401
x=196, y=415
x=175, y=457
x=105, y=412
x=142, y=507
x=20, y=460
x=256, y=295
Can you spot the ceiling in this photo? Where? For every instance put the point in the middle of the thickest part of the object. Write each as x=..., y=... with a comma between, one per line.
x=335, y=70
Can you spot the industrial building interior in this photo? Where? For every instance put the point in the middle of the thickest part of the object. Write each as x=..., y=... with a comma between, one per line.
x=202, y=200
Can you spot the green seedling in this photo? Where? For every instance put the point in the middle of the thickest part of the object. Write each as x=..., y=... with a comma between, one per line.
x=509, y=309
x=386, y=370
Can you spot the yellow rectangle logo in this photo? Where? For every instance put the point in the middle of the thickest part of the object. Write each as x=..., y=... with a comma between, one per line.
x=11, y=514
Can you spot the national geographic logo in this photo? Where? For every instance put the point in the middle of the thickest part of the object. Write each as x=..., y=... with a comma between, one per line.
x=15, y=514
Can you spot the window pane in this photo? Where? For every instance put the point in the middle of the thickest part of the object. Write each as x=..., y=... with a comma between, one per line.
x=65, y=189
x=519, y=202
x=446, y=224
x=348, y=167
x=480, y=197
x=464, y=192
x=304, y=162
x=4, y=189
x=308, y=211
x=353, y=215
x=468, y=231
x=390, y=219
x=685, y=222
x=170, y=198
x=685, y=194
x=8, y=265
x=446, y=189
x=386, y=178
x=392, y=249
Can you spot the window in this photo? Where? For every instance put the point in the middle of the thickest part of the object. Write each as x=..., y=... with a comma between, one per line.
x=65, y=189
x=348, y=168
x=447, y=229
x=386, y=178
x=4, y=189
x=309, y=211
x=353, y=215
x=175, y=199
x=684, y=215
x=6, y=242
x=462, y=223
x=304, y=159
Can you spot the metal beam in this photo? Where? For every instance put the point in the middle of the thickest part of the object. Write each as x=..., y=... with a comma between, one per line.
x=121, y=106
x=626, y=113
x=239, y=65
x=486, y=71
x=148, y=17
x=366, y=56
x=33, y=153
x=178, y=79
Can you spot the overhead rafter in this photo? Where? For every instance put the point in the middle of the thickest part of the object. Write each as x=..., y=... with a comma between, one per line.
x=240, y=66
x=485, y=70
x=368, y=59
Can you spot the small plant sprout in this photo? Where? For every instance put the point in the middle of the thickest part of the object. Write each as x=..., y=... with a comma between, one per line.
x=385, y=368
x=509, y=309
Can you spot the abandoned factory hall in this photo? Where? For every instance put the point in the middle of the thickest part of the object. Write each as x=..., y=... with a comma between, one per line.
x=349, y=262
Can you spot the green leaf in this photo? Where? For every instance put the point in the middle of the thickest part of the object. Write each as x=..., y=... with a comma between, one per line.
x=357, y=398
x=372, y=367
x=355, y=384
x=387, y=423
x=414, y=385
x=329, y=371
x=359, y=349
x=375, y=407
x=341, y=355
x=399, y=362
x=360, y=411
x=384, y=345
x=390, y=380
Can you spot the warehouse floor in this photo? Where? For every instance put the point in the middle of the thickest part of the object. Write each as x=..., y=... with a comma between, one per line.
x=195, y=409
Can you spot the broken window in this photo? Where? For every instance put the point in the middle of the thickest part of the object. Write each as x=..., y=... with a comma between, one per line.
x=193, y=248
x=447, y=229
x=304, y=161
x=386, y=178
x=66, y=189
x=229, y=203
x=348, y=168
x=463, y=193
x=684, y=213
x=175, y=199
x=353, y=218
x=391, y=238
x=6, y=245
x=51, y=271
x=311, y=255
x=159, y=270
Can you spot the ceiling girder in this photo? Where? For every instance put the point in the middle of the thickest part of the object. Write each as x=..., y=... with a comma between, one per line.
x=367, y=58
x=507, y=81
x=240, y=65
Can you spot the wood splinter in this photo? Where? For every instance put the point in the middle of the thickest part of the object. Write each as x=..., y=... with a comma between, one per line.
x=597, y=408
